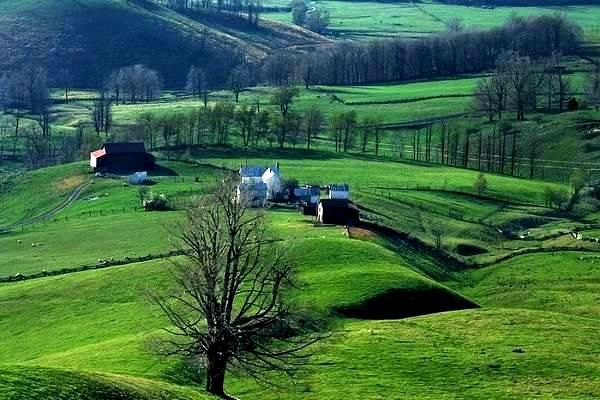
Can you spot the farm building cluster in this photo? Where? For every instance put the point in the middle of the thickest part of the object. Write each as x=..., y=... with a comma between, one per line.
x=261, y=184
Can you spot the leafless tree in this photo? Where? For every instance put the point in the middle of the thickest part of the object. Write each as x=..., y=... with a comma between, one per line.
x=238, y=80
x=229, y=308
x=313, y=119
x=521, y=71
x=245, y=118
x=101, y=112
x=318, y=21
x=593, y=87
x=535, y=150
x=196, y=82
x=485, y=98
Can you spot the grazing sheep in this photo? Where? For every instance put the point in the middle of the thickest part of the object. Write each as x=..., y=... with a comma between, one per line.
x=19, y=242
x=32, y=244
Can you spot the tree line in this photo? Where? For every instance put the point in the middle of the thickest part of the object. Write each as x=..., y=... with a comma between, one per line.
x=457, y=51
x=521, y=84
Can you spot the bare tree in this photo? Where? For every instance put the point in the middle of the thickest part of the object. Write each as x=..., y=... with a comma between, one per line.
x=101, y=112
x=313, y=119
x=593, y=87
x=378, y=133
x=196, y=82
x=521, y=72
x=229, y=308
x=485, y=97
x=283, y=98
x=238, y=80
x=318, y=21
x=535, y=150
x=298, y=12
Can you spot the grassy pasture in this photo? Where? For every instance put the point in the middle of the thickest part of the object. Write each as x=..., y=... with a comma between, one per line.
x=100, y=324
x=51, y=314
x=349, y=20
x=364, y=171
x=562, y=282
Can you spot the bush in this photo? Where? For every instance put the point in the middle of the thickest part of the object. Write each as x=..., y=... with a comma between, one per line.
x=156, y=202
x=480, y=184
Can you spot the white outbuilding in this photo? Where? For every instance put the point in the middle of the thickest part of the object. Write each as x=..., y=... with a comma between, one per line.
x=339, y=191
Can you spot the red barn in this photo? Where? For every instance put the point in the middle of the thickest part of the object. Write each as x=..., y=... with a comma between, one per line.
x=121, y=157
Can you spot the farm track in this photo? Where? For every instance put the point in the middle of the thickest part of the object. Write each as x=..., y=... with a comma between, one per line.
x=71, y=198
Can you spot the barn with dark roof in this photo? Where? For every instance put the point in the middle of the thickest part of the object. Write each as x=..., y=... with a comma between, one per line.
x=121, y=157
x=338, y=212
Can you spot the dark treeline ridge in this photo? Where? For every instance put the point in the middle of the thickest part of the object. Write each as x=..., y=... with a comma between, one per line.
x=445, y=54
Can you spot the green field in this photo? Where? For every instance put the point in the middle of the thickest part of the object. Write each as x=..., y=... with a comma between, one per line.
x=443, y=294
x=100, y=325
x=350, y=19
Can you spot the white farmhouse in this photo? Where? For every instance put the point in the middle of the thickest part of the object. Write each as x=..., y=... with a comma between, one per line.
x=273, y=181
x=252, y=174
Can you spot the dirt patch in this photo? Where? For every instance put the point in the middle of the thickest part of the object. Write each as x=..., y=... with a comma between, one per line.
x=69, y=183
x=362, y=234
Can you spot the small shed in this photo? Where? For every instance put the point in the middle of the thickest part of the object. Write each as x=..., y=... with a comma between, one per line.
x=121, y=157
x=338, y=212
x=339, y=191
x=137, y=178
x=308, y=194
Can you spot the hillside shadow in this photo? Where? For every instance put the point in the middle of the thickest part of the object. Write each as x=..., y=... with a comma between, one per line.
x=404, y=303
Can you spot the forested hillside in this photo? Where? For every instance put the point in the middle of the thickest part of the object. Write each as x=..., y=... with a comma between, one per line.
x=81, y=41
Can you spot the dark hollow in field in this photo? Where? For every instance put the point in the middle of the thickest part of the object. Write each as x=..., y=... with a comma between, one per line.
x=403, y=303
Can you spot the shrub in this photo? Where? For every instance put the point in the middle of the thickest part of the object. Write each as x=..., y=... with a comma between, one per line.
x=480, y=184
x=156, y=202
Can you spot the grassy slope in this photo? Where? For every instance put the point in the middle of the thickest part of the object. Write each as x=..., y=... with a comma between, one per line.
x=100, y=320
x=465, y=355
x=31, y=193
x=349, y=19
x=24, y=383
x=49, y=321
x=563, y=282
x=439, y=356
x=327, y=167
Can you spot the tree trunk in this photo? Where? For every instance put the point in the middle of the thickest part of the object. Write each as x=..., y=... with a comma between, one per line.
x=215, y=376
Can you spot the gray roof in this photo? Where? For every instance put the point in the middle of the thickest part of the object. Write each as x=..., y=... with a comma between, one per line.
x=252, y=171
x=339, y=187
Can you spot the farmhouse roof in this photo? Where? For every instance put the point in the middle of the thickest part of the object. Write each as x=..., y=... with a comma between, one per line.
x=123, y=148
x=252, y=171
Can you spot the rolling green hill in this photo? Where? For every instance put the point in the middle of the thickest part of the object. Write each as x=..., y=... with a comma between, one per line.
x=89, y=38
x=84, y=335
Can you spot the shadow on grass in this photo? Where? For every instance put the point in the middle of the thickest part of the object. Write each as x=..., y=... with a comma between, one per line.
x=404, y=303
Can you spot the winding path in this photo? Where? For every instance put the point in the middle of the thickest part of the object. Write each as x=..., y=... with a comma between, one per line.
x=73, y=196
